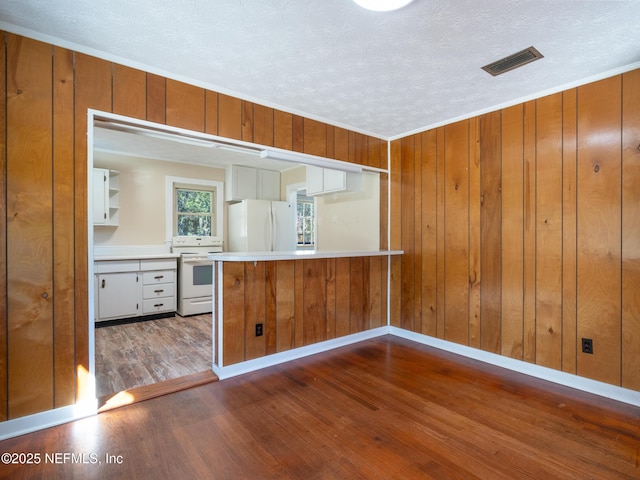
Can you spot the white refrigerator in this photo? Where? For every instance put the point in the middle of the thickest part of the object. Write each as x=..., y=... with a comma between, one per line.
x=261, y=226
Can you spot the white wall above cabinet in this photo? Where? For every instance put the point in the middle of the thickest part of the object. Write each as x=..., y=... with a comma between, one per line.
x=321, y=181
x=106, y=197
x=249, y=183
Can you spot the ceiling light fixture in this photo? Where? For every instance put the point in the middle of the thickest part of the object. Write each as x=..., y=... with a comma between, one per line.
x=383, y=5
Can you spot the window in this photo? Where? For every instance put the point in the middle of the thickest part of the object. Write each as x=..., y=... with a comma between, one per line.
x=194, y=207
x=194, y=212
x=305, y=221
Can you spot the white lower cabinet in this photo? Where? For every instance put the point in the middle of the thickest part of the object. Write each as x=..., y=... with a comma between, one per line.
x=118, y=295
x=130, y=288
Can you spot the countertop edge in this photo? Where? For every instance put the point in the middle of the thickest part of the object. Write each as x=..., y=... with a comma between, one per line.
x=150, y=256
x=296, y=255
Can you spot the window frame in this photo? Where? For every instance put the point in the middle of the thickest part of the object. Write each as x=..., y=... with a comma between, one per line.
x=194, y=184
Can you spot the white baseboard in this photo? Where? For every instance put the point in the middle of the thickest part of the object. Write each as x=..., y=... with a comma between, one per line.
x=50, y=418
x=277, y=358
x=566, y=379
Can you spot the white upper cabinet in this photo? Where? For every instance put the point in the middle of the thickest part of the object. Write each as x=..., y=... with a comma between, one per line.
x=106, y=197
x=249, y=183
x=322, y=181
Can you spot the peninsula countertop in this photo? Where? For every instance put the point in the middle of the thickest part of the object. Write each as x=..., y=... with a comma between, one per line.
x=298, y=255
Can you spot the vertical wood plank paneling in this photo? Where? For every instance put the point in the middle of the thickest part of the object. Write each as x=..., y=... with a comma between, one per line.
x=3, y=225
x=375, y=313
x=569, y=341
x=247, y=121
x=529, y=247
x=129, y=92
x=440, y=232
x=490, y=315
x=270, y=323
x=282, y=130
x=285, y=305
x=341, y=144
x=429, y=225
x=63, y=228
x=512, y=232
x=314, y=137
x=331, y=146
x=343, y=286
x=475, y=233
x=631, y=230
x=299, y=304
x=417, y=232
x=599, y=235
x=456, y=223
x=255, y=312
x=374, y=154
x=263, y=125
x=361, y=154
x=549, y=231
x=233, y=326
x=331, y=299
x=29, y=227
x=211, y=112
x=314, y=298
x=92, y=90
x=156, y=98
x=229, y=116
x=357, y=321
x=185, y=106
x=298, y=133
x=408, y=233
x=395, y=229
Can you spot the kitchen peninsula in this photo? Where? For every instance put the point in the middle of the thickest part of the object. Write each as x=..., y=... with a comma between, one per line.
x=275, y=306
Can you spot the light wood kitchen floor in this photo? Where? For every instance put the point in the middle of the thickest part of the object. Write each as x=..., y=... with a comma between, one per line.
x=144, y=353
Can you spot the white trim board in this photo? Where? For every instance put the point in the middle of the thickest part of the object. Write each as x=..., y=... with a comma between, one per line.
x=50, y=418
x=562, y=378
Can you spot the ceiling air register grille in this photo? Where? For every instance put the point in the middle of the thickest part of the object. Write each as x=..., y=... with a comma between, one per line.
x=516, y=60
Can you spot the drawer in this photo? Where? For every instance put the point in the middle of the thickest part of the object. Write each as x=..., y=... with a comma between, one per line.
x=116, y=266
x=158, y=264
x=153, y=305
x=158, y=276
x=159, y=290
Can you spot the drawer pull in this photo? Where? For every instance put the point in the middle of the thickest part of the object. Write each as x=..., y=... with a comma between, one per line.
x=158, y=291
x=158, y=277
x=159, y=305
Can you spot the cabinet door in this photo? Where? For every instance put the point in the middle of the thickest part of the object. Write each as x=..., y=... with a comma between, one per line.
x=268, y=185
x=119, y=295
x=100, y=196
x=242, y=183
x=315, y=182
x=334, y=180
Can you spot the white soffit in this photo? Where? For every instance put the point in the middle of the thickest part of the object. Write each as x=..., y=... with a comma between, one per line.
x=382, y=73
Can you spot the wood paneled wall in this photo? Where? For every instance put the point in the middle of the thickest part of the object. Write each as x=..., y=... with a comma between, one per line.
x=45, y=92
x=521, y=231
x=299, y=302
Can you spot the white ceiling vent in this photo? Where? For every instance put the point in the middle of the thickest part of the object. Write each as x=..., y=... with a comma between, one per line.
x=516, y=60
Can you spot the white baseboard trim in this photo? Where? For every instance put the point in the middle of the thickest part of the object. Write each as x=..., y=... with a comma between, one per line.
x=58, y=416
x=566, y=379
x=294, y=354
x=50, y=418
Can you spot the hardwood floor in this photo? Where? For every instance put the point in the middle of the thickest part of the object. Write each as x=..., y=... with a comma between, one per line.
x=144, y=353
x=384, y=408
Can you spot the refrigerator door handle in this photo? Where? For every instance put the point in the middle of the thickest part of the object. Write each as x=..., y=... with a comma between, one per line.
x=274, y=226
x=271, y=228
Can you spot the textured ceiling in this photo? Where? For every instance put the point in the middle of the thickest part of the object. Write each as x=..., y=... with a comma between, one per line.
x=384, y=74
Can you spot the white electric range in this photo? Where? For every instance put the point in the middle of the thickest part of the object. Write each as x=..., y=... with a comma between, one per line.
x=195, y=273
